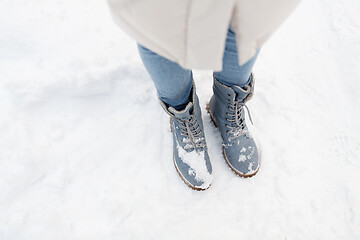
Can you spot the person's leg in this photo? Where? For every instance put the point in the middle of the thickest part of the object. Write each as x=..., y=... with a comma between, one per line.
x=173, y=83
x=233, y=87
x=232, y=73
x=178, y=98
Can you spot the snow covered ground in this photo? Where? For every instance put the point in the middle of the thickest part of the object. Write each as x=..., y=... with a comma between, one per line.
x=85, y=149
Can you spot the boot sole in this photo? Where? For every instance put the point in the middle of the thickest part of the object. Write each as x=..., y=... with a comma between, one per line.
x=181, y=176
x=224, y=155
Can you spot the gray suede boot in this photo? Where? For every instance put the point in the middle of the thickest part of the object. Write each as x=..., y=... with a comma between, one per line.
x=226, y=109
x=190, y=157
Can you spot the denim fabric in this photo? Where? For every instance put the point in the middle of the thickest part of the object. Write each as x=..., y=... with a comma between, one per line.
x=232, y=73
x=174, y=83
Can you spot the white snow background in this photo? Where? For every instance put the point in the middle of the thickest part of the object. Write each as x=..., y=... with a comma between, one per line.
x=86, y=151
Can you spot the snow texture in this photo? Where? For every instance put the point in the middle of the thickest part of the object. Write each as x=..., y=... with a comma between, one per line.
x=86, y=150
x=196, y=161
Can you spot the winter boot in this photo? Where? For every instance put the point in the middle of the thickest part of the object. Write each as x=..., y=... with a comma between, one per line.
x=226, y=109
x=190, y=153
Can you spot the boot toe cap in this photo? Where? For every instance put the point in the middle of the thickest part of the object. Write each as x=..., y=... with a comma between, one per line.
x=243, y=157
x=194, y=168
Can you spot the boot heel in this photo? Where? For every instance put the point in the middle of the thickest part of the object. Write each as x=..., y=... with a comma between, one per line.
x=211, y=116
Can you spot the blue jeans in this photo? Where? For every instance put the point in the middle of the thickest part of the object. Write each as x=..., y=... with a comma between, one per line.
x=173, y=83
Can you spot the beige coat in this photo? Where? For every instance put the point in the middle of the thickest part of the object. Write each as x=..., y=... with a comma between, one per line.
x=193, y=32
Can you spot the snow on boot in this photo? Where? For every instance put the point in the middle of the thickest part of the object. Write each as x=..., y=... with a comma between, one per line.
x=226, y=109
x=190, y=153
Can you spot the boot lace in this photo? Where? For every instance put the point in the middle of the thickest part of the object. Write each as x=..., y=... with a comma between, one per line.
x=237, y=124
x=191, y=131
